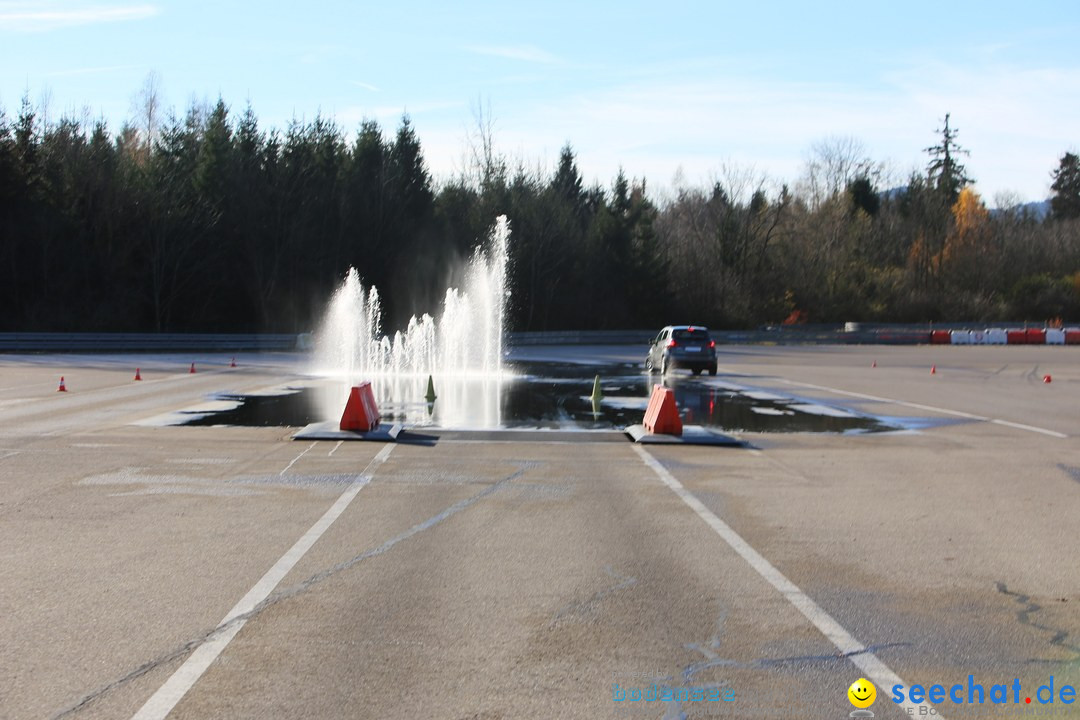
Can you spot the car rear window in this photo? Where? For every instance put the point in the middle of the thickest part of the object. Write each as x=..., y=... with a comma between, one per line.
x=695, y=335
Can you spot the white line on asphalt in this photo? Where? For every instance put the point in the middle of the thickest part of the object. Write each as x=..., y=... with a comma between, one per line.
x=172, y=692
x=330, y=454
x=1031, y=428
x=10, y=454
x=878, y=672
x=302, y=454
x=930, y=408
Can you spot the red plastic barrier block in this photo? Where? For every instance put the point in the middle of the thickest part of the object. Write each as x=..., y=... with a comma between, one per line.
x=361, y=414
x=1072, y=337
x=940, y=337
x=1016, y=337
x=1036, y=336
x=662, y=415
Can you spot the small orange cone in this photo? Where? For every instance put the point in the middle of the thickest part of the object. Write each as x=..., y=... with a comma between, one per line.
x=933, y=369
x=138, y=376
x=233, y=363
x=1047, y=379
x=63, y=387
x=192, y=370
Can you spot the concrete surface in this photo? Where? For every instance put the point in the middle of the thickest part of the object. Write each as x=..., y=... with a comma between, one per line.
x=474, y=577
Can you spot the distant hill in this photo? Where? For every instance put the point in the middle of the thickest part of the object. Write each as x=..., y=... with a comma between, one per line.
x=1038, y=210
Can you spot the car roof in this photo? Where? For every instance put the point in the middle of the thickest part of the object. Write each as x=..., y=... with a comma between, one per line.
x=686, y=327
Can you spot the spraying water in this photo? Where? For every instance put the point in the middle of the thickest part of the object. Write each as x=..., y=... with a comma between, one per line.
x=461, y=348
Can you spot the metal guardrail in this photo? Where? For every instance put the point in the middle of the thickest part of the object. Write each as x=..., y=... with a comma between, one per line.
x=852, y=334
x=831, y=334
x=803, y=335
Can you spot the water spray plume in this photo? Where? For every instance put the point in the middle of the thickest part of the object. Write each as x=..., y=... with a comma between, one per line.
x=466, y=339
x=462, y=347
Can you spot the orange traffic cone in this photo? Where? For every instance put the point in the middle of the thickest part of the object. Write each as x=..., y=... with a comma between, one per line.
x=662, y=415
x=62, y=388
x=933, y=369
x=138, y=376
x=1047, y=379
x=192, y=370
x=361, y=413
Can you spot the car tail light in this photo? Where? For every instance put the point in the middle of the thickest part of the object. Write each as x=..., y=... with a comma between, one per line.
x=712, y=343
x=671, y=343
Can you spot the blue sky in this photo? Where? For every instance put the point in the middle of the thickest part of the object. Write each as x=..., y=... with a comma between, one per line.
x=692, y=88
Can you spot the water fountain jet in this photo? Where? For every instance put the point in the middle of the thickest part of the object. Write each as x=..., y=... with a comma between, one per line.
x=463, y=348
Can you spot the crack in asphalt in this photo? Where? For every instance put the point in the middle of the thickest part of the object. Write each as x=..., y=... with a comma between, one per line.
x=1057, y=636
x=624, y=581
x=1070, y=470
x=285, y=594
x=763, y=663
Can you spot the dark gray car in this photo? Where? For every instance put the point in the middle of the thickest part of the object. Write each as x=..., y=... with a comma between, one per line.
x=682, y=346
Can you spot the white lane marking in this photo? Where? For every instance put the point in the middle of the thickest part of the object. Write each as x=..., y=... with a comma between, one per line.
x=929, y=408
x=162, y=702
x=331, y=453
x=1031, y=428
x=10, y=454
x=874, y=668
x=302, y=454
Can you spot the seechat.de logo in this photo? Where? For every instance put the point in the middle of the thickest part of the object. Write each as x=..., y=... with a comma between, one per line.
x=862, y=694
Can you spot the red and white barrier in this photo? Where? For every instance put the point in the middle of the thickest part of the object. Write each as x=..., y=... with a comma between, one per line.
x=960, y=337
x=940, y=337
x=1012, y=336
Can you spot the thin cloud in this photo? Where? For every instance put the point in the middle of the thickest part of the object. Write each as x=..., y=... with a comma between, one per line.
x=524, y=53
x=27, y=17
x=364, y=85
x=1015, y=121
x=73, y=72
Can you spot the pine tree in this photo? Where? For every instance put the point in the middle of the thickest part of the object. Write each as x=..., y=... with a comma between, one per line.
x=1065, y=203
x=945, y=171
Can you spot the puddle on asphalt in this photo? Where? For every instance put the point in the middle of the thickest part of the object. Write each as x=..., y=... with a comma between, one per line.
x=552, y=395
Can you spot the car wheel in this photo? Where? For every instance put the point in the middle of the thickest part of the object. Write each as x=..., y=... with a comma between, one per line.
x=697, y=371
x=648, y=363
x=712, y=370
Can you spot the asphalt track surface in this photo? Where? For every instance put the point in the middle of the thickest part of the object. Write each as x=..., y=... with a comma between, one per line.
x=232, y=572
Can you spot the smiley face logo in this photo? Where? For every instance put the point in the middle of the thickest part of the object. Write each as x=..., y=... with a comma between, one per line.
x=862, y=693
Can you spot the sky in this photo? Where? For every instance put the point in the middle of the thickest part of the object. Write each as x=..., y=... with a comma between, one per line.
x=679, y=93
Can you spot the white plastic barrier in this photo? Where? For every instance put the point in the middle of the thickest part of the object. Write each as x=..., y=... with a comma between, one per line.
x=996, y=336
x=1055, y=336
x=978, y=337
x=960, y=337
